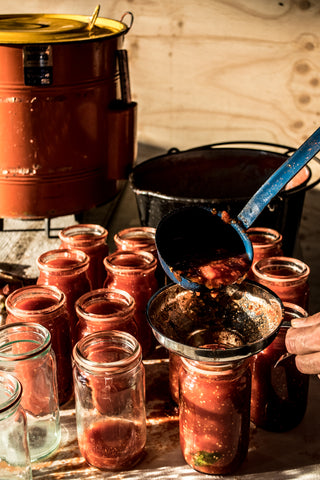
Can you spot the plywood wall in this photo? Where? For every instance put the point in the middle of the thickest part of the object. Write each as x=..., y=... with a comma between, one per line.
x=205, y=71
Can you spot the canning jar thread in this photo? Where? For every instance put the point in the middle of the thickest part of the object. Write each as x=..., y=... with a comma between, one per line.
x=83, y=235
x=130, y=262
x=52, y=301
x=63, y=261
x=281, y=270
x=123, y=302
x=119, y=352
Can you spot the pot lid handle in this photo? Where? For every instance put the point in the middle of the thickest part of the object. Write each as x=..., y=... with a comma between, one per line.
x=93, y=18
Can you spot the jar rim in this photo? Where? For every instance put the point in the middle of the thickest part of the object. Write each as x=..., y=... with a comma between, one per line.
x=148, y=261
x=32, y=291
x=89, y=298
x=274, y=236
x=300, y=270
x=80, y=258
x=130, y=346
x=214, y=367
x=41, y=344
x=14, y=390
x=94, y=231
x=129, y=236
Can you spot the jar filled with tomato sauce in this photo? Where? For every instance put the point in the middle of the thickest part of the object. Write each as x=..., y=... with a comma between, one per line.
x=136, y=238
x=46, y=305
x=287, y=277
x=279, y=391
x=214, y=414
x=134, y=272
x=105, y=309
x=91, y=239
x=174, y=367
x=140, y=238
x=26, y=352
x=109, y=380
x=266, y=242
x=67, y=270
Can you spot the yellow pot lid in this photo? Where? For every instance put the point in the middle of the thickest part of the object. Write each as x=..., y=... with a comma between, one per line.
x=47, y=28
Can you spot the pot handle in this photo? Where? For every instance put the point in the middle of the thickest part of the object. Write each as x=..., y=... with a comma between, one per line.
x=131, y=20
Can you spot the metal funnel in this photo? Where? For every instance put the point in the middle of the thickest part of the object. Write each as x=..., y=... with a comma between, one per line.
x=241, y=321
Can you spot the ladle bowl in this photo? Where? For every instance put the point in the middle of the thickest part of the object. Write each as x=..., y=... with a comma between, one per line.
x=243, y=318
x=194, y=235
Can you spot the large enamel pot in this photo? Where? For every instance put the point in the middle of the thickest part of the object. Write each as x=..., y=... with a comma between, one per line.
x=66, y=139
x=223, y=176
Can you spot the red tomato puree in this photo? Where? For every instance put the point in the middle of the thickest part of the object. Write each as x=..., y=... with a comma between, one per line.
x=113, y=444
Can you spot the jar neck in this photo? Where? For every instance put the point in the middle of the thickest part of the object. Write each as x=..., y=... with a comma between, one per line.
x=136, y=238
x=108, y=353
x=130, y=263
x=264, y=238
x=10, y=394
x=283, y=271
x=36, y=301
x=23, y=341
x=105, y=305
x=215, y=368
x=63, y=262
x=83, y=235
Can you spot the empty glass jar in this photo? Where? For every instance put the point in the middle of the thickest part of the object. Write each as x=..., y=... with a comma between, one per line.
x=110, y=399
x=14, y=449
x=91, y=239
x=25, y=351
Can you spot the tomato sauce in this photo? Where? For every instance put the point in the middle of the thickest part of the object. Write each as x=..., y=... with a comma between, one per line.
x=47, y=307
x=218, y=273
x=67, y=270
x=134, y=272
x=90, y=239
x=214, y=414
x=114, y=444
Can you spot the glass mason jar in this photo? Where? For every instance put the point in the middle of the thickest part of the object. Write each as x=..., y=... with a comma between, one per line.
x=136, y=238
x=91, y=239
x=279, y=391
x=25, y=351
x=14, y=449
x=46, y=305
x=105, y=309
x=174, y=367
x=266, y=242
x=67, y=270
x=285, y=276
x=134, y=272
x=109, y=383
x=214, y=414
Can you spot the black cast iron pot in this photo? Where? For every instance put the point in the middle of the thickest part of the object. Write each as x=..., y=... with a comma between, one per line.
x=223, y=176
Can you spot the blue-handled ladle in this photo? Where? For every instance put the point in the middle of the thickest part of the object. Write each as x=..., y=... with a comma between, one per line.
x=200, y=248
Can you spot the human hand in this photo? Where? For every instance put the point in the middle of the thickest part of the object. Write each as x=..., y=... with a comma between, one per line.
x=303, y=340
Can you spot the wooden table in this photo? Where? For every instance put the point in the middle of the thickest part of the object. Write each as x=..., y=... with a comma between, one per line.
x=273, y=456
